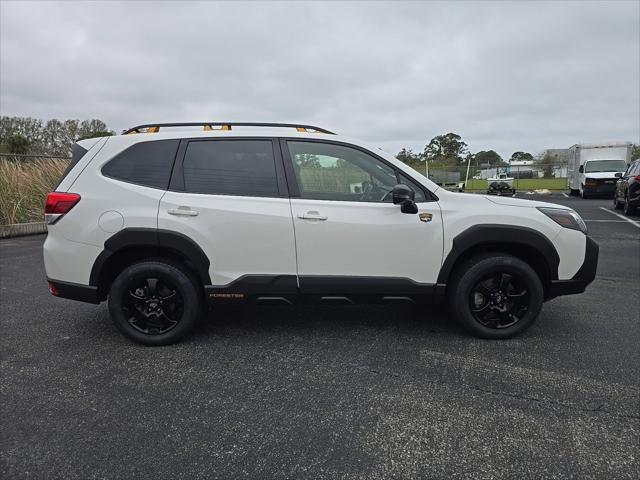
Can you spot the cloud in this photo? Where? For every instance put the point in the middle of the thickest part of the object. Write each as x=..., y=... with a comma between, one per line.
x=506, y=75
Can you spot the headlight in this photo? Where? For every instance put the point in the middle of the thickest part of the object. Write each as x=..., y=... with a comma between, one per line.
x=565, y=218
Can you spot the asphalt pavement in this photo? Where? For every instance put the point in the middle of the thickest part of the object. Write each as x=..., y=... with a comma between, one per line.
x=325, y=392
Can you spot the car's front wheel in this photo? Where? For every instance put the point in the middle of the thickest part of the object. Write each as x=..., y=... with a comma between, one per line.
x=582, y=193
x=628, y=208
x=495, y=296
x=616, y=203
x=154, y=302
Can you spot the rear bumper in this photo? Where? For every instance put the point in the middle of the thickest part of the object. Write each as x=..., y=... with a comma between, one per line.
x=583, y=277
x=73, y=291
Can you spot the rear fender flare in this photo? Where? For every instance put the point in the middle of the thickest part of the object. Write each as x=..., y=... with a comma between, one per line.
x=176, y=243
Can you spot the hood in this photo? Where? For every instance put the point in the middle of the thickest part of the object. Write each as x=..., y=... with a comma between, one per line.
x=520, y=202
x=601, y=174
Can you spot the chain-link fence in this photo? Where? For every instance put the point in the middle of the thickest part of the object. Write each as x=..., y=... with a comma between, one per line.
x=537, y=176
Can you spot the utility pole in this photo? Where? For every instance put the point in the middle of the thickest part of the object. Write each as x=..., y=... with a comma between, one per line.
x=466, y=180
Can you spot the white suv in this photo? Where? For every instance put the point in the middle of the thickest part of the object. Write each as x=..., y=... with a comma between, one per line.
x=162, y=223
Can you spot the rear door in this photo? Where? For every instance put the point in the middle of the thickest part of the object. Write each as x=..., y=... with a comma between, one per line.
x=349, y=234
x=229, y=195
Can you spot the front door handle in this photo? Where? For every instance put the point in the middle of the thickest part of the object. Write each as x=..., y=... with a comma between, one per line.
x=312, y=215
x=184, y=211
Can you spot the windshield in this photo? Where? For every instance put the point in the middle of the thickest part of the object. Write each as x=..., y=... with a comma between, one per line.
x=605, y=166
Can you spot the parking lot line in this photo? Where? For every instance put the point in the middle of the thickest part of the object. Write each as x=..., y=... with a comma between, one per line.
x=565, y=194
x=632, y=222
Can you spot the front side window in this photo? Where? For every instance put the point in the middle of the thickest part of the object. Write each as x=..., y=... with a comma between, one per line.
x=231, y=167
x=335, y=172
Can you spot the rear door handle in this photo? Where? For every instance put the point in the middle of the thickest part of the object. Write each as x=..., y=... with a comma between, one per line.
x=312, y=215
x=184, y=211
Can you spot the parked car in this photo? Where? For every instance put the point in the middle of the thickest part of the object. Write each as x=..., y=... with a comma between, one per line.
x=162, y=222
x=627, y=194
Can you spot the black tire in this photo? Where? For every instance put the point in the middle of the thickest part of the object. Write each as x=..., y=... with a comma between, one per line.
x=628, y=209
x=616, y=203
x=573, y=192
x=582, y=194
x=155, y=302
x=519, y=299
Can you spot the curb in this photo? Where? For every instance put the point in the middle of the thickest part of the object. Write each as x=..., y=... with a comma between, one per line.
x=20, y=229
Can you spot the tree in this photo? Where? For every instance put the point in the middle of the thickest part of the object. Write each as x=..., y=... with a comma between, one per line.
x=546, y=163
x=414, y=160
x=97, y=134
x=93, y=128
x=308, y=160
x=446, y=149
x=17, y=144
x=489, y=158
x=635, y=152
x=53, y=137
x=521, y=156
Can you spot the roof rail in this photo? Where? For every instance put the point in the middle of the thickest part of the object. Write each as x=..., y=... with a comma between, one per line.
x=207, y=126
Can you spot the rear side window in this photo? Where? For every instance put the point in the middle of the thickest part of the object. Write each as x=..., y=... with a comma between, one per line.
x=231, y=167
x=144, y=163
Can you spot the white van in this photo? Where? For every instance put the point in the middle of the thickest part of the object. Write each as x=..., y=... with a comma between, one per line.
x=594, y=169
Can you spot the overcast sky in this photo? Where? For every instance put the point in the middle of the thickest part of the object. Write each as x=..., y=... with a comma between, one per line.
x=506, y=75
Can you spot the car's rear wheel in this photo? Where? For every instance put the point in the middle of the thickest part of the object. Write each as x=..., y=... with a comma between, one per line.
x=154, y=302
x=495, y=296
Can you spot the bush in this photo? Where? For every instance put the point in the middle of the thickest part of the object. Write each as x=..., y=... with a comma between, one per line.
x=24, y=187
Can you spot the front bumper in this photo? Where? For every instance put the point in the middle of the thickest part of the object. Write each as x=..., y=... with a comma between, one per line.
x=603, y=187
x=583, y=277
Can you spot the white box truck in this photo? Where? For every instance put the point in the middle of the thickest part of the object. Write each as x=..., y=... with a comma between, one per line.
x=594, y=169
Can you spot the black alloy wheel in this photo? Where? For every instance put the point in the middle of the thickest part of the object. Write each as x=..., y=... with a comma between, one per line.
x=495, y=295
x=156, y=302
x=499, y=301
x=152, y=306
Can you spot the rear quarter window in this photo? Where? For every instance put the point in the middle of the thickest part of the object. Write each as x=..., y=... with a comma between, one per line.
x=77, y=152
x=144, y=163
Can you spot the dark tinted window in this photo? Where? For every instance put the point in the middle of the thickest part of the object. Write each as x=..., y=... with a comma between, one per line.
x=145, y=163
x=231, y=167
x=77, y=152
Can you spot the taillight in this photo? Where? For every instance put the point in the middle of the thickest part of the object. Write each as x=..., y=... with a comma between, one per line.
x=637, y=177
x=58, y=204
x=590, y=181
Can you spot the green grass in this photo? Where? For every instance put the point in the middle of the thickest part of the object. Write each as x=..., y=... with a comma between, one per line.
x=523, y=184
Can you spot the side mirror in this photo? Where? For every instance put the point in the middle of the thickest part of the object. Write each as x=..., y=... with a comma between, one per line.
x=404, y=196
x=618, y=175
x=581, y=169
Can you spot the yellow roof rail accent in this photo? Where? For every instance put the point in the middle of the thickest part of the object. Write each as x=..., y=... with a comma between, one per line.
x=209, y=126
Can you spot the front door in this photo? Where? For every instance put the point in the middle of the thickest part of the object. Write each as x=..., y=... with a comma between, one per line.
x=349, y=234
